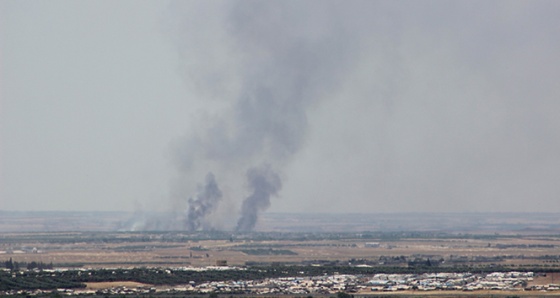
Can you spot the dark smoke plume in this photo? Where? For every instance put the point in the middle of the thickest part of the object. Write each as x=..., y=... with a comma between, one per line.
x=265, y=183
x=204, y=203
x=272, y=70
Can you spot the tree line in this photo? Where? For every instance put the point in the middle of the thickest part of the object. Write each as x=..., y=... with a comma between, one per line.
x=40, y=279
x=13, y=265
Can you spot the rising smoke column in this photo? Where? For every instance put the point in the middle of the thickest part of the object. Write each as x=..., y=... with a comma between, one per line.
x=261, y=67
x=203, y=203
x=264, y=183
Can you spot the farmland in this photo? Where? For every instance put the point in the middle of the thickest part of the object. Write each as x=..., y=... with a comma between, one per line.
x=283, y=246
x=405, y=241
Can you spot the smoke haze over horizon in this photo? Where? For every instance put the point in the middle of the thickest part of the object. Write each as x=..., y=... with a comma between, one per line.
x=315, y=106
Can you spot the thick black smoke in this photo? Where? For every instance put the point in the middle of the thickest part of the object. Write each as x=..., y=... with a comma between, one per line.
x=264, y=183
x=266, y=70
x=203, y=203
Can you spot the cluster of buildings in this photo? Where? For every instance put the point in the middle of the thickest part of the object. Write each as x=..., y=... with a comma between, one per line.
x=507, y=281
x=332, y=284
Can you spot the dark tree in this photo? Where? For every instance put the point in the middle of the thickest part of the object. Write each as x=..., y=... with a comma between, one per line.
x=344, y=295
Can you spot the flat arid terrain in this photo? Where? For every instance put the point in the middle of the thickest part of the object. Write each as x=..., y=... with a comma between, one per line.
x=395, y=243
x=102, y=240
x=126, y=250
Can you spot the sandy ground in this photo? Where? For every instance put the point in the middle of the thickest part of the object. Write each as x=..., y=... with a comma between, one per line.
x=114, y=284
x=482, y=293
x=550, y=278
x=465, y=294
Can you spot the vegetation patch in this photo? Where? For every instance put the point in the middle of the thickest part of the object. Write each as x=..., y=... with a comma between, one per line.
x=268, y=252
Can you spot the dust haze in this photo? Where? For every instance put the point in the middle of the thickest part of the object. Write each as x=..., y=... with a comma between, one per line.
x=224, y=110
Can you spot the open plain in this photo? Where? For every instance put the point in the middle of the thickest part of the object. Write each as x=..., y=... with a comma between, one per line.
x=104, y=240
x=415, y=244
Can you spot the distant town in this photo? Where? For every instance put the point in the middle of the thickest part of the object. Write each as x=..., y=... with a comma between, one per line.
x=513, y=281
x=289, y=255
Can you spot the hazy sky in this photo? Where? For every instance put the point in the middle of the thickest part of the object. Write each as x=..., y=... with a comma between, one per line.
x=358, y=106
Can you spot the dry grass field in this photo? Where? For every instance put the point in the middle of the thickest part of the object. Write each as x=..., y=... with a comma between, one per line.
x=534, y=252
x=471, y=239
x=513, y=241
x=114, y=284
